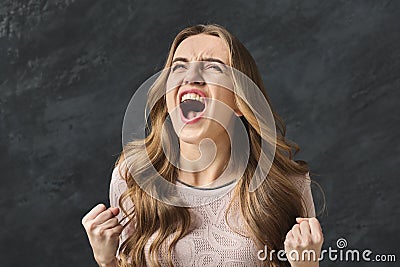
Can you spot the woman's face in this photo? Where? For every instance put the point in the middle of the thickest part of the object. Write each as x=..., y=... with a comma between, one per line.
x=199, y=87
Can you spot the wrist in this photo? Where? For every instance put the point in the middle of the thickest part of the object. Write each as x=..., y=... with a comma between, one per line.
x=112, y=263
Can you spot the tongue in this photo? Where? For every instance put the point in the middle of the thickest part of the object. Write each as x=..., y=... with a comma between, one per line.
x=192, y=114
x=191, y=108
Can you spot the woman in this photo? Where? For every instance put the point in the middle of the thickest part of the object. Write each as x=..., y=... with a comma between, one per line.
x=278, y=215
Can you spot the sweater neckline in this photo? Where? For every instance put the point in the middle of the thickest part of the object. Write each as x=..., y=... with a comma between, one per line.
x=205, y=188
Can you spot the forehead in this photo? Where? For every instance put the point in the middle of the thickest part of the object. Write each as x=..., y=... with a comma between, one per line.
x=202, y=46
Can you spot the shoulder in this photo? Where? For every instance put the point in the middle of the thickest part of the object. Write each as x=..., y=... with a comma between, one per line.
x=302, y=181
x=117, y=174
x=120, y=169
x=118, y=183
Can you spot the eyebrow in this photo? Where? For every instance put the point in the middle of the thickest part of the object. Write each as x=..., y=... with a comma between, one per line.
x=210, y=59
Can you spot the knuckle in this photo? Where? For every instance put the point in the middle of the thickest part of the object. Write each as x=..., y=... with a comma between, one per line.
x=114, y=220
x=118, y=227
x=108, y=234
x=101, y=206
x=303, y=223
x=90, y=226
x=297, y=242
x=321, y=238
x=110, y=212
x=314, y=220
x=306, y=242
x=296, y=245
x=116, y=232
x=99, y=232
x=289, y=243
x=289, y=233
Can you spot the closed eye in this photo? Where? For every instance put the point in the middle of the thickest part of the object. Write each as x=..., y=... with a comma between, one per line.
x=214, y=67
x=178, y=66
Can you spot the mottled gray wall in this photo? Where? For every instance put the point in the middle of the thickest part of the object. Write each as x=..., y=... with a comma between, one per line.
x=68, y=69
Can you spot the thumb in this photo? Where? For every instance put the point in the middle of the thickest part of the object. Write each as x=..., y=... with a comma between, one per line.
x=114, y=210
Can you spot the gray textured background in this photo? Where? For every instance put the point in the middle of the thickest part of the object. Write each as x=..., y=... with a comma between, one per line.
x=68, y=69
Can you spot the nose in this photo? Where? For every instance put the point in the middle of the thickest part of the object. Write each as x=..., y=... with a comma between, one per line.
x=194, y=75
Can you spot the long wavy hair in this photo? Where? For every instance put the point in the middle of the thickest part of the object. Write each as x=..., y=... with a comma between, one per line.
x=269, y=212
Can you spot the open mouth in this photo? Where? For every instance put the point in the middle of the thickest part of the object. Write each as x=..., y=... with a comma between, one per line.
x=192, y=106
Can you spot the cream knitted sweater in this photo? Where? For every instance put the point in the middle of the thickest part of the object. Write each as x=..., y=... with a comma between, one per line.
x=211, y=241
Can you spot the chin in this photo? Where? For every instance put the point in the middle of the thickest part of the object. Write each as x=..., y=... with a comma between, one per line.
x=192, y=136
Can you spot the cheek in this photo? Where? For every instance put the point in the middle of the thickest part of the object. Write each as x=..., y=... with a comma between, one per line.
x=226, y=96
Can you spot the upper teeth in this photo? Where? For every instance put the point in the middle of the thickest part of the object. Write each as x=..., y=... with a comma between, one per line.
x=192, y=96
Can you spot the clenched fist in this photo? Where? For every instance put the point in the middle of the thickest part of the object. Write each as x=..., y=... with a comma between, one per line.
x=103, y=231
x=306, y=238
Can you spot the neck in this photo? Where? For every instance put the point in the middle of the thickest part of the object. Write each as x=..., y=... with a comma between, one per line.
x=202, y=164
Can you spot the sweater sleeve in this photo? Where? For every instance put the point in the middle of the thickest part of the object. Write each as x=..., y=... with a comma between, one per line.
x=117, y=187
x=307, y=195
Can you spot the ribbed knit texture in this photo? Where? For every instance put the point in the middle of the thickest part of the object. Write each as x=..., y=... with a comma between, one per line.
x=211, y=242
